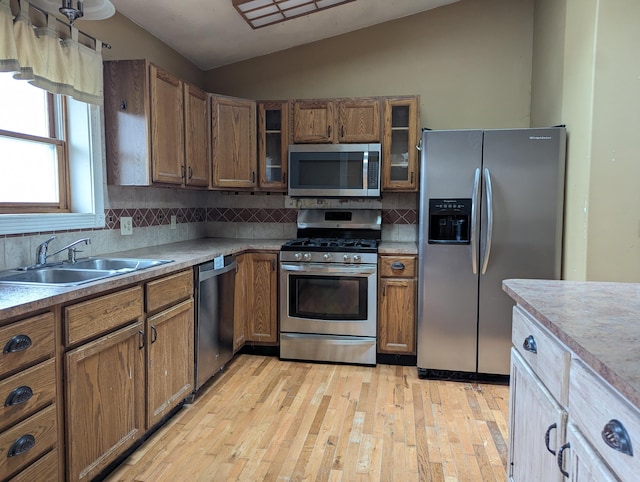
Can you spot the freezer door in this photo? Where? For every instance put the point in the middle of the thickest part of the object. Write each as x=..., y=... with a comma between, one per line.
x=523, y=181
x=448, y=286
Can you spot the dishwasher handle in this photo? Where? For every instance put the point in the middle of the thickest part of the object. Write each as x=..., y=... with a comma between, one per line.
x=204, y=274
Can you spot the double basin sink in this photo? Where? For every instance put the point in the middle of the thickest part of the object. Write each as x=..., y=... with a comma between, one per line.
x=82, y=271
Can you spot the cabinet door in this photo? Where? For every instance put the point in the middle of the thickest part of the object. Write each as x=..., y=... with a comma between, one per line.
x=240, y=302
x=273, y=143
x=167, y=127
x=359, y=120
x=534, y=417
x=170, y=366
x=261, y=291
x=233, y=125
x=313, y=121
x=397, y=322
x=196, y=137
x=400, y=156
x=582, y=463
x=104, y=391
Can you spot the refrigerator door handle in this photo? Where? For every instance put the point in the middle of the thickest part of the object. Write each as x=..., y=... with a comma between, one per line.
x=474, y=222
x=487, y=248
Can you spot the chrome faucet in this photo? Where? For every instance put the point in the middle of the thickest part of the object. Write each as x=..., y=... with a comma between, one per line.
x=41, y=251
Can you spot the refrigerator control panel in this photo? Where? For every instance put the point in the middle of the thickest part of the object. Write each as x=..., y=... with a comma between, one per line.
x=449, y=221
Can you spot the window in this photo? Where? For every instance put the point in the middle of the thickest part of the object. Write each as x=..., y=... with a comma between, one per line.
x=50, y=160
x=33, y=164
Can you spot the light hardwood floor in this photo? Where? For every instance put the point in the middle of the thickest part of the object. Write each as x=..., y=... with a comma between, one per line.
x=264, y=419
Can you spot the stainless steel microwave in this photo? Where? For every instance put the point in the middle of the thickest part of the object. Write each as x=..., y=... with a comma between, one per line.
x=334, y=170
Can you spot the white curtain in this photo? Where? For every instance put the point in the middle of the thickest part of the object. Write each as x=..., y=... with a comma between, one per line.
x=60, y=66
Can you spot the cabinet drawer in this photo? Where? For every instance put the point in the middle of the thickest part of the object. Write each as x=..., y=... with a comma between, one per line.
x=168, y=291
x=548, y=358
x=102, y=314
x=26, y=341
x=27, y=441
x=598, y=410
x=27, y=392
x=43, y=469
x=398, y=266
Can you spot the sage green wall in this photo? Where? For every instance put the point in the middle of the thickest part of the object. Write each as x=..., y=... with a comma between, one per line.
x=470, y=62
x=129, y=41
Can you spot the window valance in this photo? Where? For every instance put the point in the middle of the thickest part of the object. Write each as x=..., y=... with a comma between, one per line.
x=40, y=56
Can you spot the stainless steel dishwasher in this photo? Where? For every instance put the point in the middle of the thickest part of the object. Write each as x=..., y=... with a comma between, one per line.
x=214, y=317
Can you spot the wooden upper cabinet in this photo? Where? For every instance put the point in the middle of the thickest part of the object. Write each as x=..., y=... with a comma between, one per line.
x=156, y=127
x=359, y=120
x=336, y=120
x=233, y=137
x=399, y=152
x=167, y=127
x=313, y=121
x=273, y=144
x=196, y=136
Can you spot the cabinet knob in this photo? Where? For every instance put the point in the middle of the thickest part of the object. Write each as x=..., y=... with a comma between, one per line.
x=615, y=436
x=21, y=445
x=18, y=395
x=530, y=344
x=17, y=343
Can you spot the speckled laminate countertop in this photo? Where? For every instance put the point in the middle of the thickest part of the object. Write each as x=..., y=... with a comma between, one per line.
x=17, y=300
x=397, y=247
x=598, y=321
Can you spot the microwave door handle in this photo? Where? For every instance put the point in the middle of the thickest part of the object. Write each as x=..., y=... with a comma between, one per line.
x=474, y=222
x=365, y=169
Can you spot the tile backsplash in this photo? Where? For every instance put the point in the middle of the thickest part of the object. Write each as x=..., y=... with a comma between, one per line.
x=200, y=214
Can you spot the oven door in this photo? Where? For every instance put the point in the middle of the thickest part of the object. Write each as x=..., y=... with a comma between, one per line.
x=328, y=299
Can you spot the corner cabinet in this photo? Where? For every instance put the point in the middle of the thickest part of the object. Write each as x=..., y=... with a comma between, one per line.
x=397, y=306
x=256, y=299
x=233, y=138
x=273, y=144
x=336, y=120
x=399, y=147
x=156, y=127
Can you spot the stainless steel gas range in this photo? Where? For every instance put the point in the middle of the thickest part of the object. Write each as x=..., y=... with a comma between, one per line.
x=328, y=287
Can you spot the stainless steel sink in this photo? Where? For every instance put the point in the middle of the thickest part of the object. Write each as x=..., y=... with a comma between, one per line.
x=117, y=264
x=56, y=276
x=82, y=271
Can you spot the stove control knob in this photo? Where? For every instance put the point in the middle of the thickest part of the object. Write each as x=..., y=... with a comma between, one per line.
x=346, y=258
x=326, y=257
x=297, y=256
x=356, y=258
x=306, y=256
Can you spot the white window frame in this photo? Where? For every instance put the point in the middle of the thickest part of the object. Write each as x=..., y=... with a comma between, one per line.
x=86, y=179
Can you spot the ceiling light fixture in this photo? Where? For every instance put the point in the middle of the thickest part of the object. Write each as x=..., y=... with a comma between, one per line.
x=261, y=13
x=75, y=9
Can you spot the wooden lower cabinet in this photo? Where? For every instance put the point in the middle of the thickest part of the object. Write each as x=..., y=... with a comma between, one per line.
x=240, y=305
x=397, y=305
x=257, y=298
x=104, y=389
x=170, y=359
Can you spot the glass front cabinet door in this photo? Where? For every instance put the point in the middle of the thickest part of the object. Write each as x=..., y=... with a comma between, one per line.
x=400, y=157
x=273, y=142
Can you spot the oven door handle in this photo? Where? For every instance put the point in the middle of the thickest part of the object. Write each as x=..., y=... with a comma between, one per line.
x=321, y=268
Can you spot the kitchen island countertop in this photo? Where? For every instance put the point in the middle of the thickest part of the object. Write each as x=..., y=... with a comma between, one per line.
x=598, y=321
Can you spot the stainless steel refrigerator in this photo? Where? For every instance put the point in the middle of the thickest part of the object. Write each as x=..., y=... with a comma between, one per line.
x=491, y=208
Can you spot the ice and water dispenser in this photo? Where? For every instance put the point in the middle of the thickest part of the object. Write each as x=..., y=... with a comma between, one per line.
x=449, y=221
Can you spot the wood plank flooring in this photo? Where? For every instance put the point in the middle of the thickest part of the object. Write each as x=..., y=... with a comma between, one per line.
x=264, y=419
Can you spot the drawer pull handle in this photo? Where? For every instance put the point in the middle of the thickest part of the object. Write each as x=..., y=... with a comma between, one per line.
x=547, y=436
x=530, y=344
x=18, y=395
x=22, y=445
x=615, y=436
x=560, y=459
x=398, y=265
x=17, y=343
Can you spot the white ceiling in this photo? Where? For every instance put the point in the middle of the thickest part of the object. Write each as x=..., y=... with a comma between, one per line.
x=211, y=33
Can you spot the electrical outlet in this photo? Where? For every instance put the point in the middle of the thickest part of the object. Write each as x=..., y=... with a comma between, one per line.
x=126, y=225
x=173, y=221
